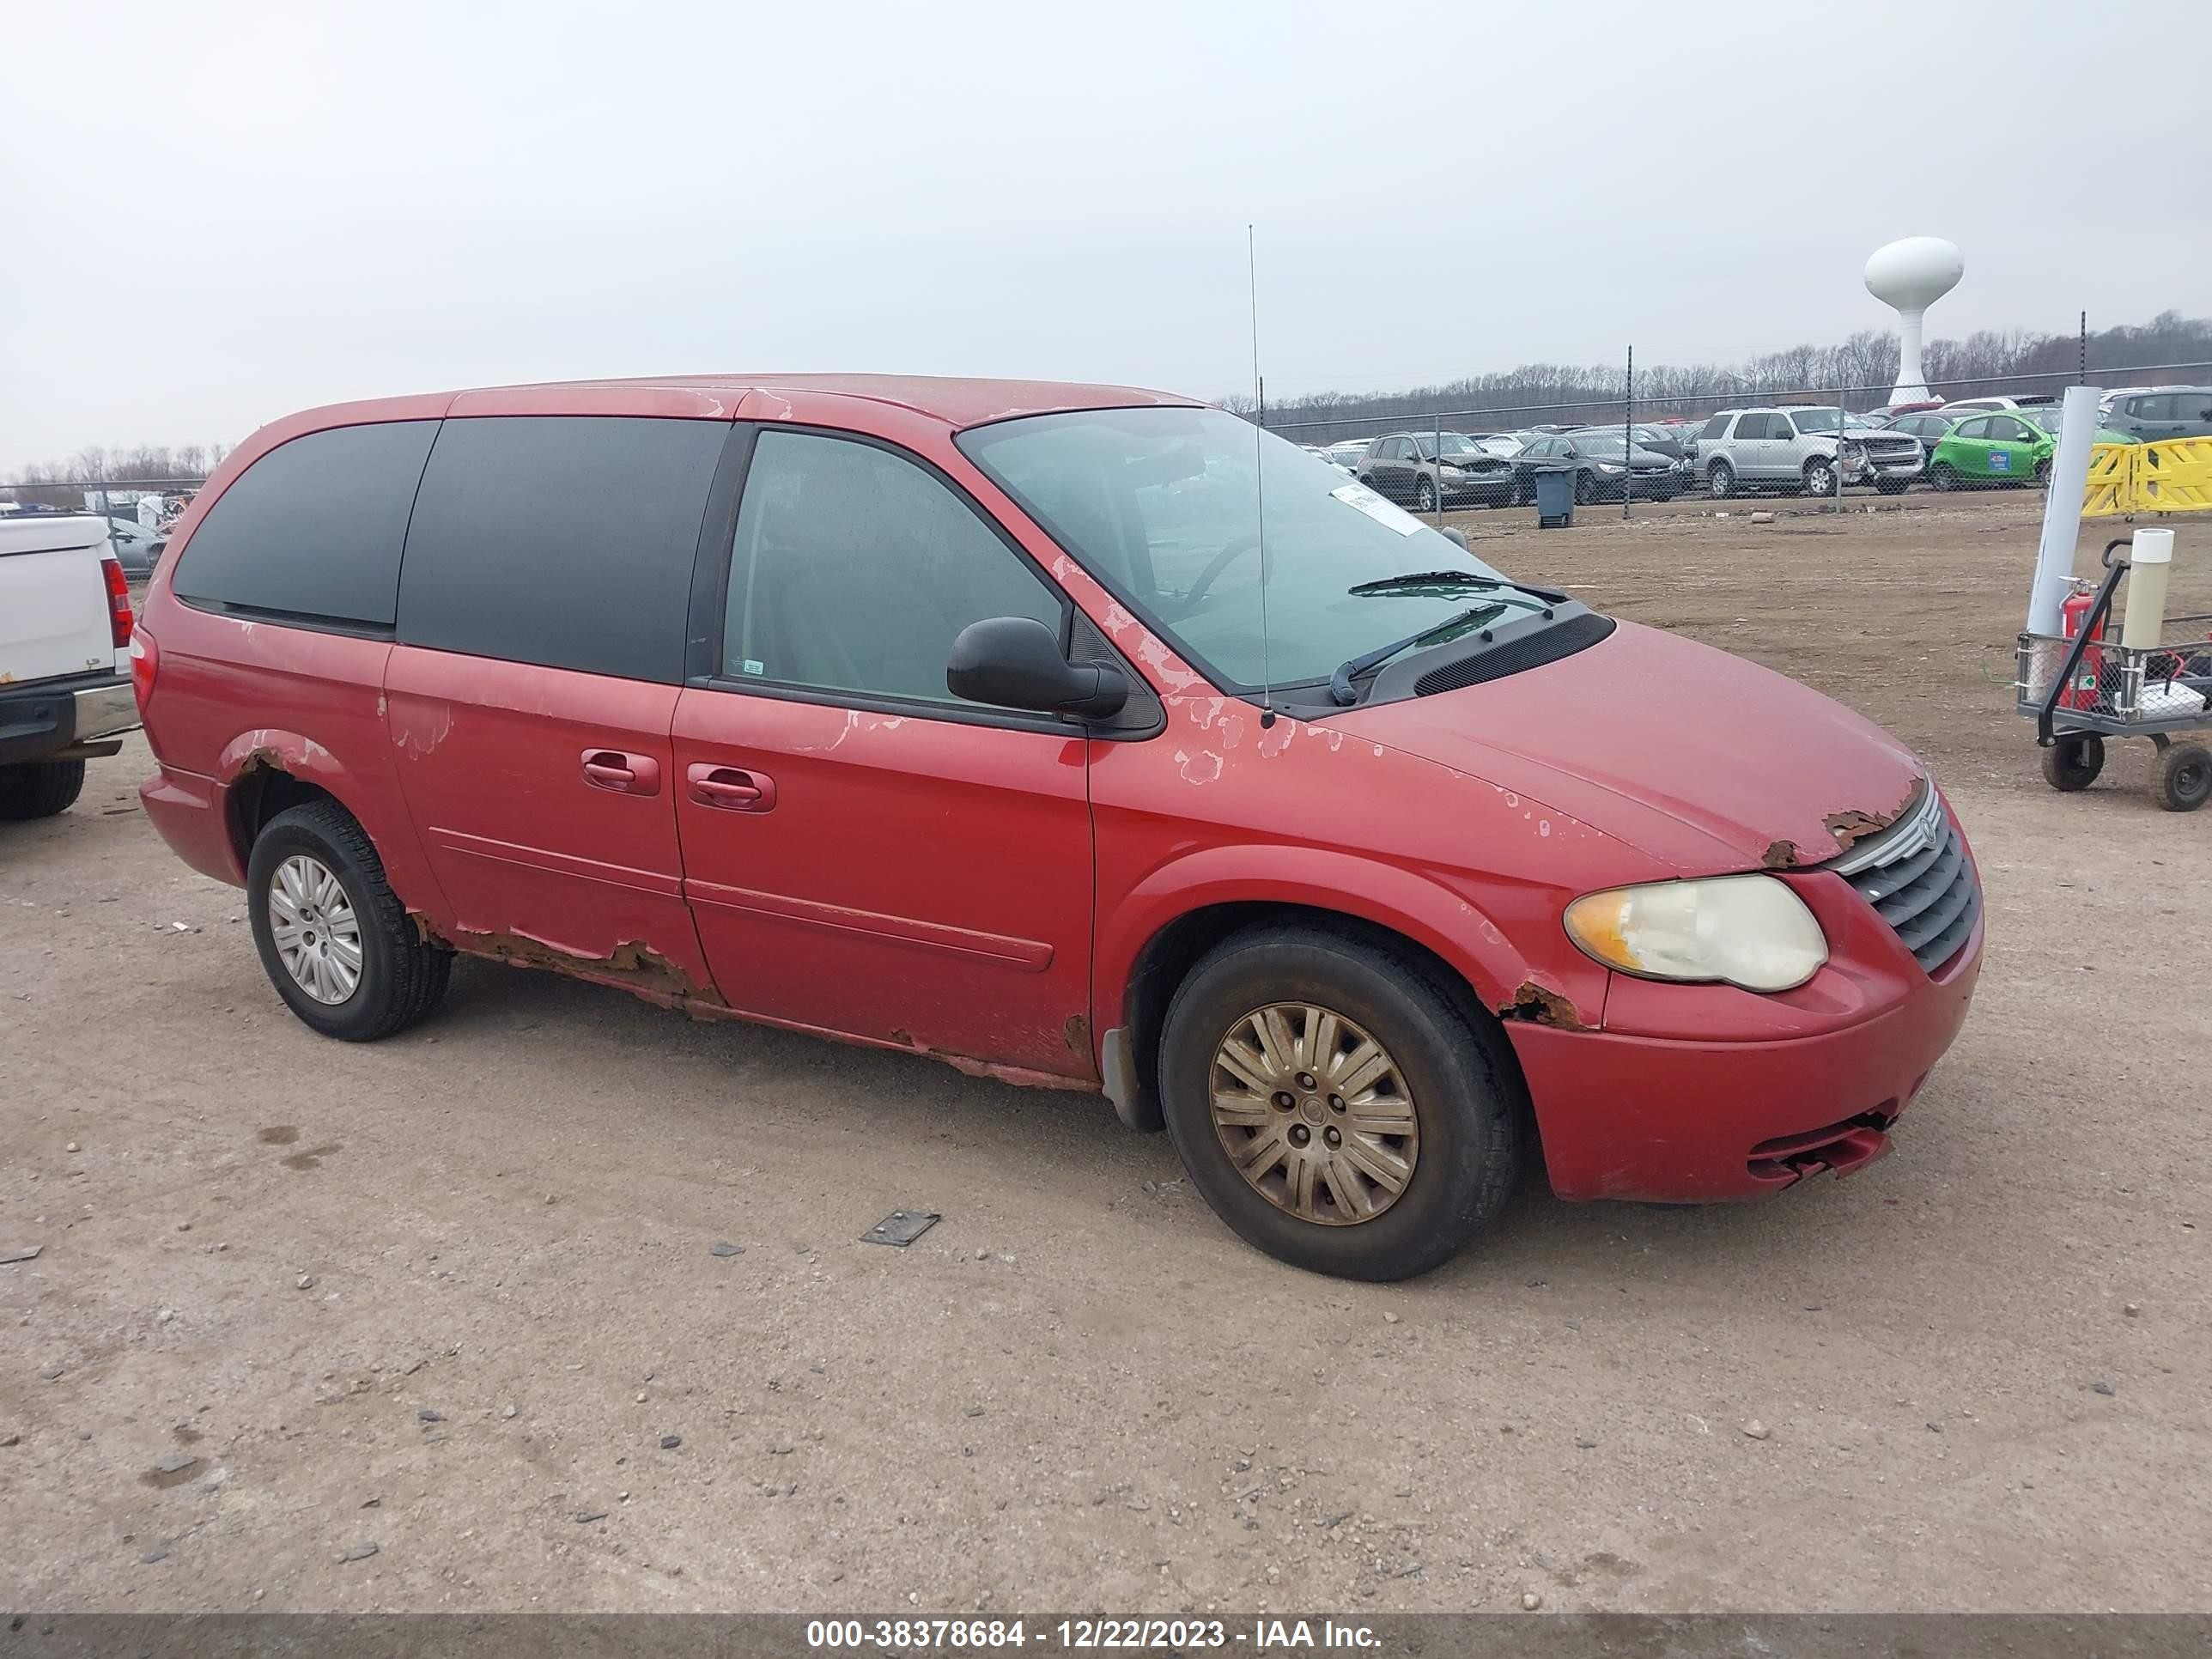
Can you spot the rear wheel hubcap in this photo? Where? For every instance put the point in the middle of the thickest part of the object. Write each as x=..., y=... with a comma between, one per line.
x=312, y=925
x=1314, y=1114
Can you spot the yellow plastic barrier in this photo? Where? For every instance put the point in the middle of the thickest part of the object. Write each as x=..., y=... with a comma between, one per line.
x=2112, y=481
x=2168, y=475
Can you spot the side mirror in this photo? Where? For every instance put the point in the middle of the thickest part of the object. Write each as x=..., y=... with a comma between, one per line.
x=1014, y=662
x=1454, y=533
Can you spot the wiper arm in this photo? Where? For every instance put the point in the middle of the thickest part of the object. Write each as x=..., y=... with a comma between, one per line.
x=1340, y=688
x=1453, y=578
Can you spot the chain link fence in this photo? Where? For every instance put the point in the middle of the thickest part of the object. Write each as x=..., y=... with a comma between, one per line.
x=1833, y=445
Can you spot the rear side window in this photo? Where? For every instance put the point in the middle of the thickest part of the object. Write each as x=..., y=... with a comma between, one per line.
x=1714, y=428
x=312, y=530
x=566, y=541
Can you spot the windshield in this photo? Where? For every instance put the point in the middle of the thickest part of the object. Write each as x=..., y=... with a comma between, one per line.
x=1163, y=507
x=1449, y=443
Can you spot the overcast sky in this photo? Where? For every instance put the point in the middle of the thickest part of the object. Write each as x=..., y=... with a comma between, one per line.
x=222, y=212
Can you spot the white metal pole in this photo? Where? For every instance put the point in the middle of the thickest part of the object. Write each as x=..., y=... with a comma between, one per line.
x=2062, y=509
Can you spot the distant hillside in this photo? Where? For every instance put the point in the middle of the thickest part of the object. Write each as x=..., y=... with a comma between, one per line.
x=1864, y=367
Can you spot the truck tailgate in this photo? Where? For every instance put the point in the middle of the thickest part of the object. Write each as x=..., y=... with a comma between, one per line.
x=53, y=598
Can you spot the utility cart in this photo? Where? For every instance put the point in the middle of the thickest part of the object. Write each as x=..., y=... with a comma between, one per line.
x=2083, y=687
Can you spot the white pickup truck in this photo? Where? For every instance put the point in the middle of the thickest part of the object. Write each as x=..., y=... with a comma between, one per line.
x=65, y=626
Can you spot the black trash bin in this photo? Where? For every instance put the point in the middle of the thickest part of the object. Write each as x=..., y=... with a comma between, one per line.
x=1555, y=497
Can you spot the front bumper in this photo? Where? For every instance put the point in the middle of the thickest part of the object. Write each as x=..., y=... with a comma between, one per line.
x=54, y=720
x=1870, y=471
x=1746, y=1095
x=1487, y=488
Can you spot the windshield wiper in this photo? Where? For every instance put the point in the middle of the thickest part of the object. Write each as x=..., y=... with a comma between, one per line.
x=1342, y=691
x=1453, y=578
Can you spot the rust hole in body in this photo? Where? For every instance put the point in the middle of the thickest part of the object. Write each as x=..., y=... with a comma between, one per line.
x=1076, y=1032
x=1779, y=855
x=632, y=964
x=1540, y=1006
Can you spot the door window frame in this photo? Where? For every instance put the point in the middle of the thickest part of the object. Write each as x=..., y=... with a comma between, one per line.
x=708, y=613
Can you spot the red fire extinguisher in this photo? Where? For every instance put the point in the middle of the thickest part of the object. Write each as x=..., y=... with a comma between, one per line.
x=2081, y=693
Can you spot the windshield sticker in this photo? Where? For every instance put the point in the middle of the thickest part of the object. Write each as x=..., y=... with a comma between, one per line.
x=1360, y=498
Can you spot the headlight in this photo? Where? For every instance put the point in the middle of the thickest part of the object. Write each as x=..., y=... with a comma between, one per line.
x=1750, y=931
x=1609, y=466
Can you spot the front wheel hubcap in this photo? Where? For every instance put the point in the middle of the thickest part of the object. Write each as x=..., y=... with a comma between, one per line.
x=1314, y=1114
x=312, y=925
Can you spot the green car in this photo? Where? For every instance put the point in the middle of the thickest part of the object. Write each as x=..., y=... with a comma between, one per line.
x=1987, y=450
x=2011, y=446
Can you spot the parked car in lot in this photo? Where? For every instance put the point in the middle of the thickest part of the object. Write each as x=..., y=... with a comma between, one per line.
x=1983, y=450
x=1348, y=454
x=1602, y=466
x=1800, y=448
x=1419, y=468
x=2181, y=411
x=954, y=717
x=2045, y=417
x=1675, y=443
x=137, y=548
x=65, y=633
x=1929, y=426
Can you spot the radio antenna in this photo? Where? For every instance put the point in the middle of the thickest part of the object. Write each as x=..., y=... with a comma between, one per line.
x=1259, y=475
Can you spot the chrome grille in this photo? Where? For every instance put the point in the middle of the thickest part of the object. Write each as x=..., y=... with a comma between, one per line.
x=1917, y=877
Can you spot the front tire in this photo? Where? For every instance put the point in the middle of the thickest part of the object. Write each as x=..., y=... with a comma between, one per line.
x=334, y=938
x=1944, y=475
x=1720, y=480
x=39, y=789
x=1819, y=477
x=1586, y=488
x=1403, y=1135
x=1425, y=497
x=2185, y=777
x=2073, y=762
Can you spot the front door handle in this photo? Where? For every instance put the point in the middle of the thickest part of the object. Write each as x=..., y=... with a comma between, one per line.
x=731, y=787
x=622, y=773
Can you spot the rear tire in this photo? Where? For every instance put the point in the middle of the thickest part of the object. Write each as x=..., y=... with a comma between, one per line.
x=39, y=789
x=1720, y=480
x=1452, y=1082
x=2073, y=762
x=2185, y=777
x=401, y=976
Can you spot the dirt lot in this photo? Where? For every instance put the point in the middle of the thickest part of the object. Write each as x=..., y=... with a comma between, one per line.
x=450, y=1295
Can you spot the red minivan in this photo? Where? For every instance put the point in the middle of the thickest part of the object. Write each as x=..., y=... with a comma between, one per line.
x=1082, y=737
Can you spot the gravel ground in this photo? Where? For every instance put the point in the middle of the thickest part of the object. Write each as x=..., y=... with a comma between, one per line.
x=455, y=1299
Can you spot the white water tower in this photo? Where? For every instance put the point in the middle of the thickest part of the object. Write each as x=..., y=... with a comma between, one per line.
x=1909, y=276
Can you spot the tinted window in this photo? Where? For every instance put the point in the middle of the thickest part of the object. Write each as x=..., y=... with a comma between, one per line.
x=2007, y=429
x=313, y=528
x=854, y=569
x=1978, y=429
x=562, y=540
x=1714, y=428
x=2153, y=409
